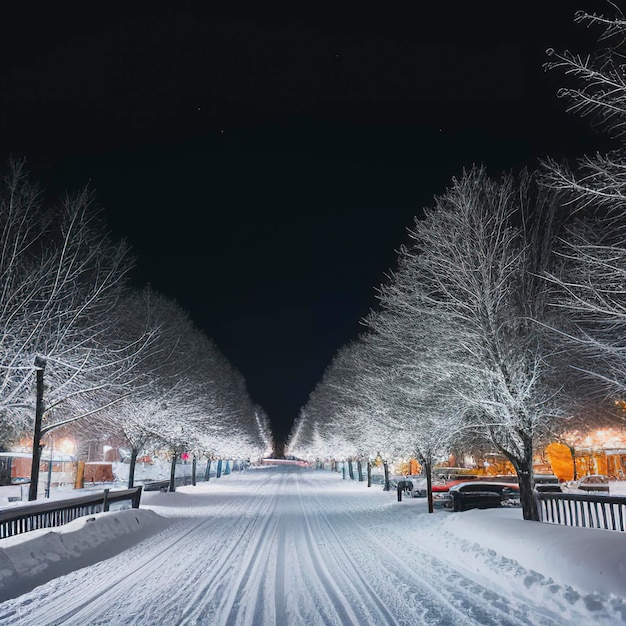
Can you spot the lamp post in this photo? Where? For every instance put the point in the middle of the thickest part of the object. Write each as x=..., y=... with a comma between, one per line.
x=40, y=366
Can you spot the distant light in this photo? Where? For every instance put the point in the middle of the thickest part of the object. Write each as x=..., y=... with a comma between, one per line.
x=66, y=446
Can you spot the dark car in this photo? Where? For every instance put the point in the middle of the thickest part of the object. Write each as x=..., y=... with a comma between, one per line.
x=441, y=492
x=482, y=495
x=546, y=483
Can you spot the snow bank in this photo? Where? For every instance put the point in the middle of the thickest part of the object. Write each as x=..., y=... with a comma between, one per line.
x=591, y=560
x=35, y=557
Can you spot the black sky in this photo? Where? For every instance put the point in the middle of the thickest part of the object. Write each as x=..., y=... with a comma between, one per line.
x=264, y=163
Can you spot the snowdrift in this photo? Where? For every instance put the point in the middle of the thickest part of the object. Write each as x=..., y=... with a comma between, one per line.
x=30, y=559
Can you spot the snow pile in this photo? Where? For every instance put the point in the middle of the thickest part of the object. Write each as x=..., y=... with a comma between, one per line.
x=592, y=560
x=35, y=557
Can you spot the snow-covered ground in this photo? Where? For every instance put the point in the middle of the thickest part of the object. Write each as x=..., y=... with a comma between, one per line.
x=272, y=546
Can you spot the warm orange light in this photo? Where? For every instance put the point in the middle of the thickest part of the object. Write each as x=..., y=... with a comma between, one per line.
x=66, y=446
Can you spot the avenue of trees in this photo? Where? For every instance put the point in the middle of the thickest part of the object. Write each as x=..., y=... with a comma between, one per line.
x=82, y=350
x=503, y=327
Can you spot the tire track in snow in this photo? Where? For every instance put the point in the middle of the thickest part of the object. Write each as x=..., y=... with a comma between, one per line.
x=465, y=600
x=226, y=600
x=99, y=594
x=96, y=597
x=356, y=609
x=207, y=591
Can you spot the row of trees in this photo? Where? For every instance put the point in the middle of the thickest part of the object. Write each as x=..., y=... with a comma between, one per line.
x=105, y=355
x=505, y=318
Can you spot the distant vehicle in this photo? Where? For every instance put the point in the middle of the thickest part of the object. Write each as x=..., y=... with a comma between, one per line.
x=440, y=492
x=452, y=473
x=408, y=483
x=593, y=482
x=378, y=479
x=420, y=487
x=481, y=495
x=393, y=481
x=546, y=483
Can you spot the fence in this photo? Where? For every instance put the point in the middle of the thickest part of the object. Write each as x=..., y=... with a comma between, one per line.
x=22, y=519
x=583, y=510
x=162, y=484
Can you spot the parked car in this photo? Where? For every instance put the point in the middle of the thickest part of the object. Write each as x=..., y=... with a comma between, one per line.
x=378, y=479
x=482, y=495
x=393, y=482
x=444, y=474
x=441, y=491
x=593, y=482
x=546, y=483
x=420, y=487
x=408, y=482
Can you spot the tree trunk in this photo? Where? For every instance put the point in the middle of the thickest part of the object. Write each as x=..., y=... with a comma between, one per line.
x=207, y=471
x=194, y=467
x=524, y=469
x=427, y=468
x=369, y=473
x=386, y=470
x=572, y=451
x=173, y=473
x=131, y=469
x=350, y=469
x=359, y=467
x=218, y=471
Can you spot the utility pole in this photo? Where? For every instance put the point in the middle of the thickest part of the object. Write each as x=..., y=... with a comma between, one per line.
x=40, y=366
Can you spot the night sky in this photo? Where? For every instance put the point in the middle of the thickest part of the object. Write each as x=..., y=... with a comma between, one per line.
x=264, y=163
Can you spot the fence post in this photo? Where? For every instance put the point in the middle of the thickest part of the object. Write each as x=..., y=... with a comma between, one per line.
x=105, y=501
x=137, y=497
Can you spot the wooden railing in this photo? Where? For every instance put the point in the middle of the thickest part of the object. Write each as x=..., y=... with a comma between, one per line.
x=583, y=510
x=21, y=519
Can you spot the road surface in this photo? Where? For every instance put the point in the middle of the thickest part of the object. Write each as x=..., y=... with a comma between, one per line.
x=275, y=547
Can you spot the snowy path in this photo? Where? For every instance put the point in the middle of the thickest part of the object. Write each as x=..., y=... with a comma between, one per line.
x=276, y=547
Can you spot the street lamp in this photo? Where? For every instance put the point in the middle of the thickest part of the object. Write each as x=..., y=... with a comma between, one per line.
x=40, y=366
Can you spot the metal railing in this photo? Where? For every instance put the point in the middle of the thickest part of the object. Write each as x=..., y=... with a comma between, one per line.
x=21, y=519
x=582, y=510
x=162, y=484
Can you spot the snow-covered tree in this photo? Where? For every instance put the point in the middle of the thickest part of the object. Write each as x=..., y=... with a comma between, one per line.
x=412, y=380
x=61, y=280
x=474, y=267
x=187, y=396
x=592, y=278
x=264, y=431
x=596, y=91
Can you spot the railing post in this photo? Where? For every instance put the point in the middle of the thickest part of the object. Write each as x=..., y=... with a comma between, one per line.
x=137, y=497
x=105, y=501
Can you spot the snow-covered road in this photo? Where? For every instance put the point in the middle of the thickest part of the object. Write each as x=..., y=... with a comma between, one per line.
x=280, y=547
